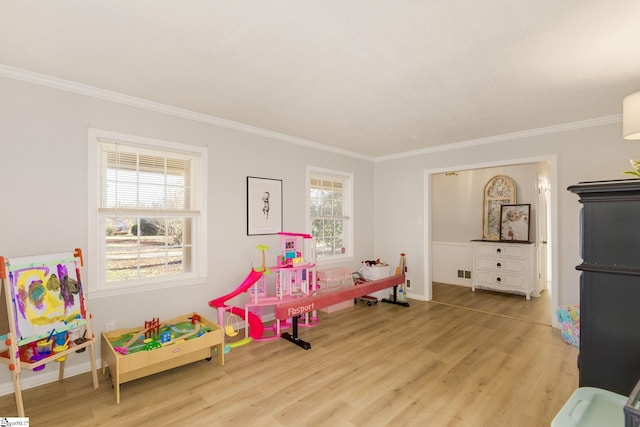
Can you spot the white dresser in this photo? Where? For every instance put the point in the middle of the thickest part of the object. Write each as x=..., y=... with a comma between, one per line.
x=503, y=266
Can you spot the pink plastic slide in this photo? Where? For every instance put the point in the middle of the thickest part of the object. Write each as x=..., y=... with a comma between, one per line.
x=256, y=328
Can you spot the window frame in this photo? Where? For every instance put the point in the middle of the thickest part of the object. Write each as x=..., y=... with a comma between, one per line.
x=98, y=286
x=347, y=206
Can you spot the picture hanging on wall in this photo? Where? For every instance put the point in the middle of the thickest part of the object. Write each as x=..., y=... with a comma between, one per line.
x=264, y=206
x=514, y=222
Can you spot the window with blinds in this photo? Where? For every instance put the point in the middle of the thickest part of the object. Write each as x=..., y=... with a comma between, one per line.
x=149, y=200
x=330, y=204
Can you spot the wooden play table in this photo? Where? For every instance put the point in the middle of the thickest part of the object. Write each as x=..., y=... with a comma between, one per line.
x=174, y=353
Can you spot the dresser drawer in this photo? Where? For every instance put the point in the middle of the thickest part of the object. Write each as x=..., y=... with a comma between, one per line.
x=508, y=250
x=498, y=265
x=496, y=280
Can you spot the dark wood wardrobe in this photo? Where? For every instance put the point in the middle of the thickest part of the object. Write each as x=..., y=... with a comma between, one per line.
x=610, y=284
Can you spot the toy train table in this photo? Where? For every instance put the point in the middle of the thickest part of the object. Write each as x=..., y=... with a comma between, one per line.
x=158, y=346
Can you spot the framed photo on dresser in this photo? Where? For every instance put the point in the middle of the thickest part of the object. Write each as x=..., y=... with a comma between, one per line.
x=515, y=223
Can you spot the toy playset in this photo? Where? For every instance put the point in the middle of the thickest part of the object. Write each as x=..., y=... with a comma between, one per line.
x=137, y=352
x=299, y=291
x=46, y=315
x=294, y=274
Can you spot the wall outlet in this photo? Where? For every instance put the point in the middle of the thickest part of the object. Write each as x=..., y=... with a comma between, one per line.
x=467, y=274
x=110, y=326
x=460, y=273
x=408, y=283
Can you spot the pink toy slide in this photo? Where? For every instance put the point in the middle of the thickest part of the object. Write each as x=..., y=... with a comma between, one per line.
x=256, y=328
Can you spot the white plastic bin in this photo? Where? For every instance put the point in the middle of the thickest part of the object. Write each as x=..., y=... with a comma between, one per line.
x=592, y=407
x=376, y=272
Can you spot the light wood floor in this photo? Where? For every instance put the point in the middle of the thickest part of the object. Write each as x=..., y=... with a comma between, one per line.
x=431, y=364
x=504, y=304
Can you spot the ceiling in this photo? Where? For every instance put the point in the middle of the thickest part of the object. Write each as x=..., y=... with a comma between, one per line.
x=374, y=77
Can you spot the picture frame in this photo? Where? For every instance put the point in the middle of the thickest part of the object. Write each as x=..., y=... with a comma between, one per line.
x=264, y=206
x=515, y=222
x=499, y=190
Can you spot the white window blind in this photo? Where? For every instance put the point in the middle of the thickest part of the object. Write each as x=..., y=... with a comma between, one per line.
x=149, y=200
x=135, y=178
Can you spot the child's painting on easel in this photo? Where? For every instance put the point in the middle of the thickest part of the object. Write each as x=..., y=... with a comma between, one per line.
x=43, y=295
x=47, y=295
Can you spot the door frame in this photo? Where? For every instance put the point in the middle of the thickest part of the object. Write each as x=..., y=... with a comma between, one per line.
x=552, y=222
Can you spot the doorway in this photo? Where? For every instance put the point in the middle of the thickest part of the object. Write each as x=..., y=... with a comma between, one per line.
x=545, y=236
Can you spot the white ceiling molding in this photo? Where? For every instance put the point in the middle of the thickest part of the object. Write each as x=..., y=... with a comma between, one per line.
x=82, y=89
x=599, y=121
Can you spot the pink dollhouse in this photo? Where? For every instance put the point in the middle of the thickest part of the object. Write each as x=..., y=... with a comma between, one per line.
x=295, y=276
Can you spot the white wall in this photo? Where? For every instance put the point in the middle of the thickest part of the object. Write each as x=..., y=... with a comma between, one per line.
x=447, y=258
x=587, y=154
x=457, y=199
x=44, y=171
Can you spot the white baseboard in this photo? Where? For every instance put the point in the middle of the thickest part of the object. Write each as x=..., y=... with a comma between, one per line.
x=417, y=297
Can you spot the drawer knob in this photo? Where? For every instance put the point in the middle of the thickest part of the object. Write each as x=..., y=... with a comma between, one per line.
x=498, y=279
x=498, y=264
x=499, y=250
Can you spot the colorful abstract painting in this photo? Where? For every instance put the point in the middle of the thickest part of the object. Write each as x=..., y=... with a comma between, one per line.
x=47, y=294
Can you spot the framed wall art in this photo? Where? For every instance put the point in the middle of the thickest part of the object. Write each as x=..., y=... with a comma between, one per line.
x=500, y=190
x=264, y=206
x=514, y=222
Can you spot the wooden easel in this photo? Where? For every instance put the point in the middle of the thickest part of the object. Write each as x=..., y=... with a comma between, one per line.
x=24, y=279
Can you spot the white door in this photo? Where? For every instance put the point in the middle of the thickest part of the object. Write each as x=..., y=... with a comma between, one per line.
x=542, y=215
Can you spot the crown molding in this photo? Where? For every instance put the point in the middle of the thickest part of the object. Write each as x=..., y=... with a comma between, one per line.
x=599, y=121
x=82, y=89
